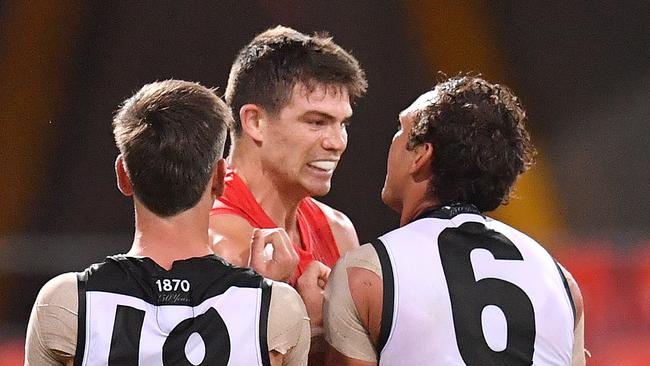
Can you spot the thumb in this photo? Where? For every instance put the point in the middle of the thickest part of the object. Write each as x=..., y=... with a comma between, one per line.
x=257, y=245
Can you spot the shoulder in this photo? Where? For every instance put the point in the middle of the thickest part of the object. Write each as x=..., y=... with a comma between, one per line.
x=511, y=233
x=288, y=301
x=227, y=226
x=288, y=323
x=334, y=216
x=353, y=302
x=364, y=273
x=342, y=228
x=52, y=329
x=363, y=257
x=59, y=291
x=230, y=236
x=356, y=272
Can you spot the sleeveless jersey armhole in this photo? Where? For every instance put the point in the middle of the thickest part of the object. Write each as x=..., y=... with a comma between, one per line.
x=264, y=322
x=82, y=277
x=388, y=297
x=567, y=289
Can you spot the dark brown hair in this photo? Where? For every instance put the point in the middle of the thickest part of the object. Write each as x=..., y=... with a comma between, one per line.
x=266, y=70
x=170, y=134
x=479, y=140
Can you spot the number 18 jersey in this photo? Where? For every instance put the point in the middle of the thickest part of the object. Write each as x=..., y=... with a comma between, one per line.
x=200, y=312
x=463, y=289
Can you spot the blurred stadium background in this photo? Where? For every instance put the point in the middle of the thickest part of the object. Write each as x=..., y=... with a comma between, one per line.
x=581, y=68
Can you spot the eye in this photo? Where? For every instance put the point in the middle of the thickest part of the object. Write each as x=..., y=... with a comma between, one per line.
x=399, y=126
x=346, y=123
x=317, y=122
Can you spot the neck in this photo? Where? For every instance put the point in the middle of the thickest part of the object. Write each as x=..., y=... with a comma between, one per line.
x=166, y=240
x=278, y=202
x=413, y=207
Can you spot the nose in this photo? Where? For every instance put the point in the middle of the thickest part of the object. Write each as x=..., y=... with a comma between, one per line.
x=336, y=138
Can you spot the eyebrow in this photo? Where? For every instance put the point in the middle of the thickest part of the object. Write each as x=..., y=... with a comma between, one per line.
x=324, y=115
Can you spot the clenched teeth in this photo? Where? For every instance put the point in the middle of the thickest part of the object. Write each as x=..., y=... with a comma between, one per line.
x=323, y=164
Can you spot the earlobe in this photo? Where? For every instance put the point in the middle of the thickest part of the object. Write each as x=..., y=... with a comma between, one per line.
x=251, y=117
x=123, y=181
x=218, y=178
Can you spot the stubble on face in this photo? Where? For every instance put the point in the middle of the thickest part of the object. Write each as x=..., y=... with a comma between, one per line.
x=301, y=153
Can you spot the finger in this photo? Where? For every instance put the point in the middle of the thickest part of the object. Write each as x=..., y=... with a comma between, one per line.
x=315, y=270
x=264, y=242
x=257, y=245
x=283, y=250
x=319, y=269
x=324, y=273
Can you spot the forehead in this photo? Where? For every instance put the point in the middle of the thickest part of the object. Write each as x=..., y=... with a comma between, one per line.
x=420, y=103
x=325, y=98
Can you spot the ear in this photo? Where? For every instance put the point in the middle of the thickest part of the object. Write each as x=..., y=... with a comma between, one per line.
x=420, y=167
x=123, y=181
x=251, y=117
x=218, y=175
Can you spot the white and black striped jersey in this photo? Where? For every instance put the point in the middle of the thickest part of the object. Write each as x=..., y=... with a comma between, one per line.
x=463, y=289
x=202, y=311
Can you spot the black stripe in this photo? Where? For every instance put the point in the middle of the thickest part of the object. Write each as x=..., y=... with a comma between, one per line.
x=82, y=277
x=448, y=212
x=567, y=289
x=125, y=340
x=388, y=298
x=264, y=320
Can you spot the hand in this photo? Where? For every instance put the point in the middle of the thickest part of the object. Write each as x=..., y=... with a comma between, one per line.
x=272, y=254
x=311, y=287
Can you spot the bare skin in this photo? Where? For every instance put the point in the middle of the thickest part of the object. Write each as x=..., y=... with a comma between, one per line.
x=311, y=287
x=367, y=291
x=158, y=238
x=405, y=191
x=282, y=159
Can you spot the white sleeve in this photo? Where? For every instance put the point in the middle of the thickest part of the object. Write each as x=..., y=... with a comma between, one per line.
x=343, y=329
x=288, y=331
x=52, y=329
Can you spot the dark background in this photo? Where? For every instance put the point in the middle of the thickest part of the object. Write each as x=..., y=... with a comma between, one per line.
x=581, y=68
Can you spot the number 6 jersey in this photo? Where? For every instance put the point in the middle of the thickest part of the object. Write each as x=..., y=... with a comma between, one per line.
x=461, y=289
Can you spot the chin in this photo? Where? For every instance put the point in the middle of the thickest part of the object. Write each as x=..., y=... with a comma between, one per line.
x=317, y=190
x=392, y=203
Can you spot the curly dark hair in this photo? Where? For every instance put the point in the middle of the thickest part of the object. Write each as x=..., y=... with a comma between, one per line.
x=480, y=142
x=266, y=70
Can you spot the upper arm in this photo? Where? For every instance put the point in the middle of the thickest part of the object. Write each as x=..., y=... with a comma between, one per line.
x=52, y=330
x=288, y=333
x=352, y=308
x=230, y=236
x=367, y=291
x=342, y=228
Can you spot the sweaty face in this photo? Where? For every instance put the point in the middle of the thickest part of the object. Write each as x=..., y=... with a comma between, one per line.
x=397, y=174
x=304, y=142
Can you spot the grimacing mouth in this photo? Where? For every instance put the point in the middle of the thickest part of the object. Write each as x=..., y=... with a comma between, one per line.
x=325, y=164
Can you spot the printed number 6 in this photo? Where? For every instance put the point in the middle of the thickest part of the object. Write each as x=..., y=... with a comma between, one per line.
x=469, y=297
